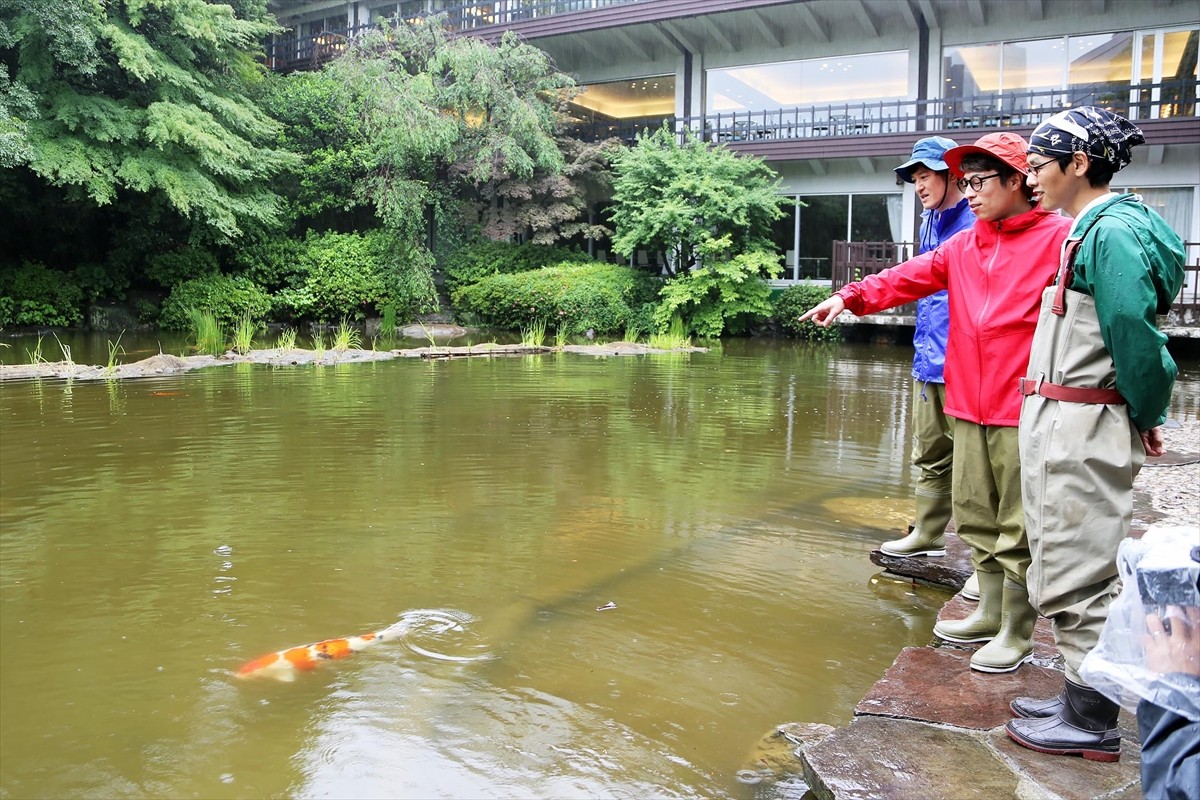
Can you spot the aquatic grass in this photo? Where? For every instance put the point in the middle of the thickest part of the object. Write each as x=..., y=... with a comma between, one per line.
x=632, y=332
x=387, y=326
x=428, y=334
x=113, y=349
x=243, y=334
x=35, y=356
x=207, y=332
x=318, y=347
x=346, y=337
x=535, y=334
x=66, y=350
x=560, y=337
x=286, y=340
x=675, y=337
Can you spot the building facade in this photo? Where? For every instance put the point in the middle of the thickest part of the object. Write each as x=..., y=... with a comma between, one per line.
x=833, y=93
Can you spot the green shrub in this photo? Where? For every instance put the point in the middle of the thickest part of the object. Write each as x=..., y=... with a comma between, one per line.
x=485, y=257
x=226, y=297
x=39, y=296
x=273, y=264
x=723, y=296
x=347, y=275
x=569, y=296
x=181, y=264
x=794, y=301
x=102, y=281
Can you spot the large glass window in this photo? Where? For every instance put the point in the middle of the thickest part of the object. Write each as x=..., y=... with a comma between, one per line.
x=623, y=108
x=817, y=81
x=806, y=234
x=652, y=96
x=996, y=82
x=1167, y=67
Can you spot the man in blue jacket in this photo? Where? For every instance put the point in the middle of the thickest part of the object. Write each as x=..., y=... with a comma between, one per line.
x=946, y=213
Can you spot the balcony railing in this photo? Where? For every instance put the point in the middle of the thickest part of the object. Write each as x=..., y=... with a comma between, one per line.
x=853, y=261
x=310, y=51
x=1013, y=109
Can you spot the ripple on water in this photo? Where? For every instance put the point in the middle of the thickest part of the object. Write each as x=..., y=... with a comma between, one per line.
x=440, y=634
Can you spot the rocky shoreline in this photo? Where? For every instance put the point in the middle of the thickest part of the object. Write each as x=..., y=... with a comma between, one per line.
x=166, y=364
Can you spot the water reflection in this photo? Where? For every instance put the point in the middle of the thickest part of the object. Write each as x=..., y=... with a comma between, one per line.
x=158, y=534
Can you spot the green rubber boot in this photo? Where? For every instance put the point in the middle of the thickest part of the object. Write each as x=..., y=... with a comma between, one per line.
x=970, y=589
x=1013, y=645
x=928, y=536
x=984, y=622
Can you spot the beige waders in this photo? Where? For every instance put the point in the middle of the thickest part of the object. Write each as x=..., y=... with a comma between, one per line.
x=1080, y=454
x=932, y=455
x=989, y=516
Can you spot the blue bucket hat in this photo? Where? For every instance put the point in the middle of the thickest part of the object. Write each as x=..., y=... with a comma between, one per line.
x=926, y=152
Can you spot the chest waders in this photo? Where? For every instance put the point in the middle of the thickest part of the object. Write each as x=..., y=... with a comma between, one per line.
x=1079, y=455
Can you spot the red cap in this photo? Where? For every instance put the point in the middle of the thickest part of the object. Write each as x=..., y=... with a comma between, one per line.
x=1008, y=147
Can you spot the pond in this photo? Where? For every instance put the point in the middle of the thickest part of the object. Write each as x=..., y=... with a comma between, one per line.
x=610, y=577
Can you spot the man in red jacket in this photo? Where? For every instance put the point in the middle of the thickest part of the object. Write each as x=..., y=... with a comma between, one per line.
x=994, y=275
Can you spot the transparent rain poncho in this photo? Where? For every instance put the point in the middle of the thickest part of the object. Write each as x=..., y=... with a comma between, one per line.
x=1160, y=578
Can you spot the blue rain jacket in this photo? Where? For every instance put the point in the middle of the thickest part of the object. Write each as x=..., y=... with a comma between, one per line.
x=933, y=312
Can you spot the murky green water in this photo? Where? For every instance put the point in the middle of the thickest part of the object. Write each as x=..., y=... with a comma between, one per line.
x=159, y=533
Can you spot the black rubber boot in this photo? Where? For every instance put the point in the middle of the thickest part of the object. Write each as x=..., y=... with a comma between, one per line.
x=1085, y=726
x=1033, y=708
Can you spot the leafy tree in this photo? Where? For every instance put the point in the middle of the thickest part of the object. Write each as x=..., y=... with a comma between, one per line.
x=448, y=116
x=549, y=206
x=726, y=294
x=112, y=100
x=321, y=123
x=677, y=198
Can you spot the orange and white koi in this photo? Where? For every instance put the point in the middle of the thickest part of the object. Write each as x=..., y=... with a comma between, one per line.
x=284, y=664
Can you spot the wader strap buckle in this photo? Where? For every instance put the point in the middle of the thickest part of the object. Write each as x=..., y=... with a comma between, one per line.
x=1069, y=394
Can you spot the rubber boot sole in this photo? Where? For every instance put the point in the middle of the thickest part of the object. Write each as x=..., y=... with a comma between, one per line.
x=1088, y=753
x=995, y=670
x=927, y=553
x=983, y=637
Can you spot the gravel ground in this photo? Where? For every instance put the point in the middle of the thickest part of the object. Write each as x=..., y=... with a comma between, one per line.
x=1167, y=490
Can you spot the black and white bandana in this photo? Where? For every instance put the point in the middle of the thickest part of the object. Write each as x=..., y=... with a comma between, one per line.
x=1098, y=132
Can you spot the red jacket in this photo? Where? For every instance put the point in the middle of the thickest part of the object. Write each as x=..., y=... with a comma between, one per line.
x=994, y=273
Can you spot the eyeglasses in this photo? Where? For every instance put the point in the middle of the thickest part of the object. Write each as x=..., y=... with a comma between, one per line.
x=975, y=183
x=1036, y=169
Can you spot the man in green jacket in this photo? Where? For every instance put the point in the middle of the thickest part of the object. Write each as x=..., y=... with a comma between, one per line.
x=1097, y=390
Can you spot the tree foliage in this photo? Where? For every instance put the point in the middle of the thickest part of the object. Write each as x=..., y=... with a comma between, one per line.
x=142, y=97
x=679, y=198
x=450, y=116
x=321, y=124
x=549, y=206
x=725, y=295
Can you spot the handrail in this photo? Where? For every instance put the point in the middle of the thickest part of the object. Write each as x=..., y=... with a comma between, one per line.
x=296, y=52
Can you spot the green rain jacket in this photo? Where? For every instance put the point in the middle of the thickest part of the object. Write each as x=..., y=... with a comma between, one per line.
x=1131, y=264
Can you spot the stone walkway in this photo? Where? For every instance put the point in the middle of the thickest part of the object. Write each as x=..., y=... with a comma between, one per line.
x=932, y=727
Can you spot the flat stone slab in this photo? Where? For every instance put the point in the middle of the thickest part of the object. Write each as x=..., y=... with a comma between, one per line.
x=1044, y=776
x=939, y=686
x=952, y=570
x=888, y=759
